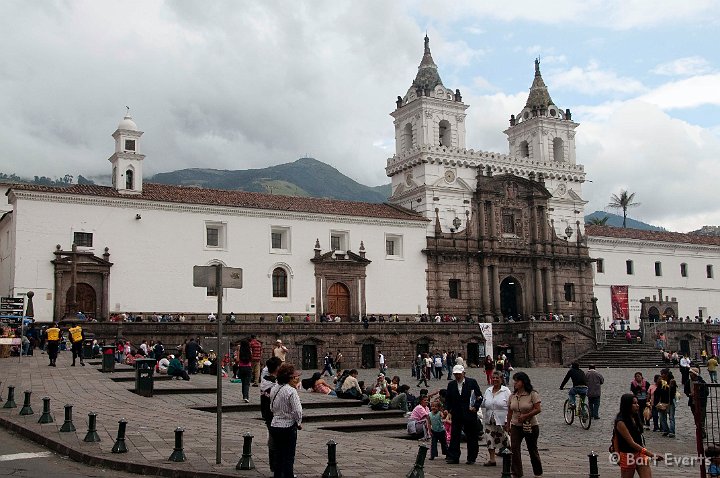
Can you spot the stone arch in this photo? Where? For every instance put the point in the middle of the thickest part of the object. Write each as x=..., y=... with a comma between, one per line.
x=444, y=133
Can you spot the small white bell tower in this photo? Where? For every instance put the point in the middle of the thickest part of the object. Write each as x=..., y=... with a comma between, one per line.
x=126, y=160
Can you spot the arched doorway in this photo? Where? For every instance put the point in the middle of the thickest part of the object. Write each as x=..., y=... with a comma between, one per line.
x=309, y=357
x=669, y=312
x=654, y=314
x=339, y=300
x=510, y=297
x=86, y=299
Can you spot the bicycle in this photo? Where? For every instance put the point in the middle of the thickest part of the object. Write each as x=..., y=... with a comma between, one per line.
x=580, y=409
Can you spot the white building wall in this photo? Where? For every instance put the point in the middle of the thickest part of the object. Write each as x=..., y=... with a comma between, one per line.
x=692, y=292
x=153, y=256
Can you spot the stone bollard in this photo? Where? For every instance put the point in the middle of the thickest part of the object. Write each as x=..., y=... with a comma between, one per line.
x=68, y=425
x=507, y=463
x=26, y=408
x=594, y=472
x=46, y=417
x=417, y=471
x=178, y=454
x=246, y=461
x=120, y=446
x=11, y=398
x=92, y=434
x=332, y=471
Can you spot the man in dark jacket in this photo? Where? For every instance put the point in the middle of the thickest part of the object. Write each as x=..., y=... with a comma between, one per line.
x=463, y=400
x=266, y=384
x=191, y=352
x=579, y=382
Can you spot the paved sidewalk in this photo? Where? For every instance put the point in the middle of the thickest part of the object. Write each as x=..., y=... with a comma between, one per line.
x=382, y=453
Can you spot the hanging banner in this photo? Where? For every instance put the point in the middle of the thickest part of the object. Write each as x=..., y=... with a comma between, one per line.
x=619, y=302
x=487, y=333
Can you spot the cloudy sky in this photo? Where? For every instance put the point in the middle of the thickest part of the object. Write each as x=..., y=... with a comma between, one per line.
x=237, y=85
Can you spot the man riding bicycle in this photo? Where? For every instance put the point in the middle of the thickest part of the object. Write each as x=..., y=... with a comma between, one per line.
x=578, y=381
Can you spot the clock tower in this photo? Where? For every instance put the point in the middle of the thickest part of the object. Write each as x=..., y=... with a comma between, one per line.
x=127, y=160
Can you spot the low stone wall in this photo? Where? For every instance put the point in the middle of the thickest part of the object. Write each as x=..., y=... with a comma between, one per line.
x=692, y=337
x=527, y=343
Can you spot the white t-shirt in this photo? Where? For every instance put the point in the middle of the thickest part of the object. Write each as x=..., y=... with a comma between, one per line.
x=382, y=359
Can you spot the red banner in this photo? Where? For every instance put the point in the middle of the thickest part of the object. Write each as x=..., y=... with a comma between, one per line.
x=619, y=301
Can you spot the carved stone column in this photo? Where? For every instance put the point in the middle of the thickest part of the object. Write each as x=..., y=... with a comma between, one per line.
x=485, y=287
x=496, y=290
x=538, y=290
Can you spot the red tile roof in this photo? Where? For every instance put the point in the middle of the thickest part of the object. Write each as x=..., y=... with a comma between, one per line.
x=658, y=236
x=218, y=197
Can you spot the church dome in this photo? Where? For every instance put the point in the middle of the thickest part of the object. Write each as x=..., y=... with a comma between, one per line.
x=128, y=123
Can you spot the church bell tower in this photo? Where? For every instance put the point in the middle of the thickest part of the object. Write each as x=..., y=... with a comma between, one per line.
x=126, y=160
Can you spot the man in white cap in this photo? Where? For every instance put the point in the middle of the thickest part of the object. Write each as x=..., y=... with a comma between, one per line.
x=280, y=351
x=462, y=401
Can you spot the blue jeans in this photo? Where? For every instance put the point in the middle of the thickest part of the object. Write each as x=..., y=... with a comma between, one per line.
x=579, y=390
x=594, y=403
x=713, y=377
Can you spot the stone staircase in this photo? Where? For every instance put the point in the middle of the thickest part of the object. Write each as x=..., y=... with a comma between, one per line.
x=618, y=353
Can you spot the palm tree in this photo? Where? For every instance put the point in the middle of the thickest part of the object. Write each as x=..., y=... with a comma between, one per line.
x=623, y=201
x=597, y=221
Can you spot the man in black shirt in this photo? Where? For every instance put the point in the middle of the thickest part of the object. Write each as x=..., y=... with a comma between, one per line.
x=579, y=382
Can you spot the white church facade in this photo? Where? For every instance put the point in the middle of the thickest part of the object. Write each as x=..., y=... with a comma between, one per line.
x=518, y=216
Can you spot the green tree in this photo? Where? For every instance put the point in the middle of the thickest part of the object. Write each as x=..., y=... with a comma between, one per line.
x=623, y=201
x=597, y=221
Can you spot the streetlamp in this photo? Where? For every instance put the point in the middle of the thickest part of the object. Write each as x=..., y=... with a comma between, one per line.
x=568, y=231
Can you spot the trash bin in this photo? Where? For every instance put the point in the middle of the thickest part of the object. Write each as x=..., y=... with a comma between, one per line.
x=108, y=358
x=87, y=346
x=144, y=369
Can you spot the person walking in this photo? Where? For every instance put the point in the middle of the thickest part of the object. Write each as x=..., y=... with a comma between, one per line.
x=338, y=360
x=489, y=366
x=522, y=423
x=640, y=387
x=381, y=360
x=53, y=343
x=594, y=383
x=627, y=440
x=327, y=364
x=462, y=401
x=287, y=413
x=712, y=365
x=653, y=401
x=495, y=405
x=684, y=368
x=667, y=388
x=76, y=340
x=243, y=359
x=255, y=359
x=424, y=370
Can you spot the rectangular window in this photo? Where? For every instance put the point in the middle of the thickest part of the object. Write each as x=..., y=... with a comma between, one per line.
x=658, y=269
x=709, y=271
x=454, y=288
x=393, y=246
x=683, y=270
x=83, y=239
x=339, y=241
x=215, y=235
x=600, y=266
x=629, y=267
x=129, y=145
x=279, y=239
x=508, y=222
x=569, y=292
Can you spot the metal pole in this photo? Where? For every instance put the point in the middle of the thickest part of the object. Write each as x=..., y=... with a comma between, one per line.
x=219, y=291
x=594, y=473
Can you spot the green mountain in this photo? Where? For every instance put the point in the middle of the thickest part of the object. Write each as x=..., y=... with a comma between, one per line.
x=304, y=177
x=616, y=221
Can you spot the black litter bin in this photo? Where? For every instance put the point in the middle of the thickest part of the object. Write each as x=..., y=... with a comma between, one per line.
x=108, y=359
x=87, y=346
x=144, y=369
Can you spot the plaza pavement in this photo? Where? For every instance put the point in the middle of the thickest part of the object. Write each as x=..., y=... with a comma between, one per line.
x=152, y=421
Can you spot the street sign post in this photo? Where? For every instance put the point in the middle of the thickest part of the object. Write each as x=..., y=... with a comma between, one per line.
x=219, y=277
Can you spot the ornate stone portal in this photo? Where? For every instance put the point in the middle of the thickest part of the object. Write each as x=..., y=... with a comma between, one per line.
x=508, y=260
x=81, y=283
x=340, y=282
